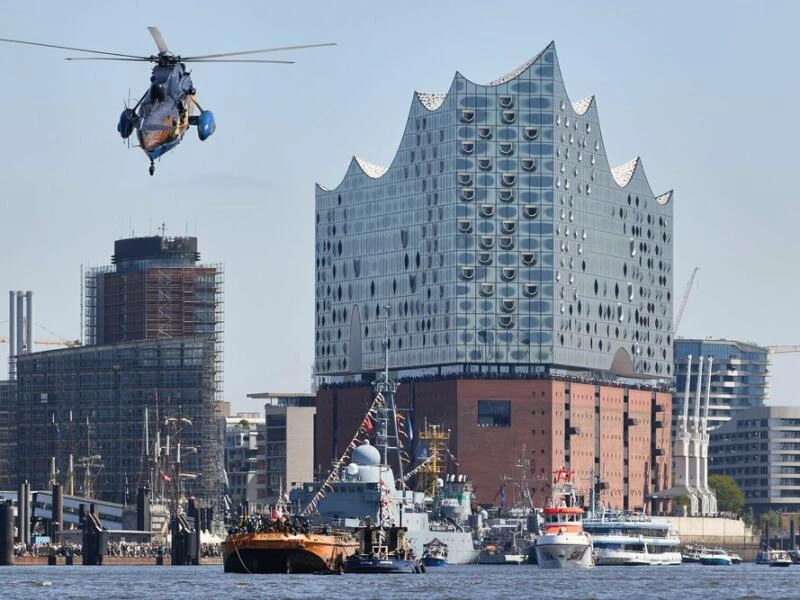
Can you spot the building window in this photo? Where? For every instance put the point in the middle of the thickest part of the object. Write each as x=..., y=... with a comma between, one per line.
x=494, y=413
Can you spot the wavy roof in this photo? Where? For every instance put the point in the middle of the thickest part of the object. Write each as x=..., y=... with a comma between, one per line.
x=520, y=69
x=431, y=100
x=582, y=105
x=372, y=170
x=624, y=173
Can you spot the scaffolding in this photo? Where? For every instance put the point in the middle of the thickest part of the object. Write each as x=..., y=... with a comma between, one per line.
x=84, y=406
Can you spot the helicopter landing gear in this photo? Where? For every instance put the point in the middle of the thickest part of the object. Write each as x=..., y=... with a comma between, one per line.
x=152, y=168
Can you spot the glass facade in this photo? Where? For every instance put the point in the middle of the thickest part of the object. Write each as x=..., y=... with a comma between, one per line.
x=738, y=376
x=499, y=236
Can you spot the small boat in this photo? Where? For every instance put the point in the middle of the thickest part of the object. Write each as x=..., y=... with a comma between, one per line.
x=715, y=557
x=691, y=554
x=435, y=553
x=774, y=558
x=383, y=549
x=778, y=558
x=490, y=554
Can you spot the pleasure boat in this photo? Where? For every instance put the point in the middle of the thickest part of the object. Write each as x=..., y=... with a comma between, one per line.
x=563, y=542
x=774, y=558
x=632, y=539
x=716, y=557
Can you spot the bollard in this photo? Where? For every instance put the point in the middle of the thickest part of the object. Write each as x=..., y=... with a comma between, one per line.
x=6, y=534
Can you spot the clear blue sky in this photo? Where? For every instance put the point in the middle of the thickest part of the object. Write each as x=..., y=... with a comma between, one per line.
x=704, y=92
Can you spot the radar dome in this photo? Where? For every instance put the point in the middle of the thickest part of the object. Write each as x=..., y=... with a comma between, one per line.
x=352, y=469
x=366, y=455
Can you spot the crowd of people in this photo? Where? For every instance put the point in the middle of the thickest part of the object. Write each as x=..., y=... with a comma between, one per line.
x=114, y=549
x=274, y=520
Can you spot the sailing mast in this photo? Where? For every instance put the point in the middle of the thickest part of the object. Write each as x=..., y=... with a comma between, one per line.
x=70, y=462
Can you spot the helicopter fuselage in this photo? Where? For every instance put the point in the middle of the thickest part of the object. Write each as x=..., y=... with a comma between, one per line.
x=166, y=110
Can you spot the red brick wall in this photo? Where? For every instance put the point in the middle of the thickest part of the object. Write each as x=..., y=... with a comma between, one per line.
x=488, y=454
x=582, y=444
x=638, y=445
x=611, y=446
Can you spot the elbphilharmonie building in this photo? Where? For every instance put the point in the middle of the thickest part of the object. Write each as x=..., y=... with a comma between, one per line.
x=500, y=236
x=524, y=284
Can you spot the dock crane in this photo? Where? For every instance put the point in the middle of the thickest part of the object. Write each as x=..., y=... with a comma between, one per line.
x=682, y=306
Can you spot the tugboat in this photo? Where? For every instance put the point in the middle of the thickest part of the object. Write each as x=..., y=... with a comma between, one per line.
x=563, y=542
x=383, y=550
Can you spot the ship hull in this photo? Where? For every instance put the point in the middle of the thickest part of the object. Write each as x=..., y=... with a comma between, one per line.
x=356, y=564
x=564, y=551
x=285, y=553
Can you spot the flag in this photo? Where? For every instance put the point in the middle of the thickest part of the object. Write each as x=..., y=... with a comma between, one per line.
x=409, y=430
x=166, y=477
x=379, y=398
x=502, y=496
x=368, y=425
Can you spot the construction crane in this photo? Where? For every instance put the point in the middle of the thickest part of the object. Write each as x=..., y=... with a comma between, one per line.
x=782, y=349
x=685, y=299
x=65, y=343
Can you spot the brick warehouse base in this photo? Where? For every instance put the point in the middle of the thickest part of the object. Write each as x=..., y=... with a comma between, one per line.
x=619, y=433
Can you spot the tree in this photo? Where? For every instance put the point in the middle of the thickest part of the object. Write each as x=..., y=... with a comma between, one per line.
x=730, y=497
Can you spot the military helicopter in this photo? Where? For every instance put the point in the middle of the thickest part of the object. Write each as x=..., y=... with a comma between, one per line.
x=167, y=109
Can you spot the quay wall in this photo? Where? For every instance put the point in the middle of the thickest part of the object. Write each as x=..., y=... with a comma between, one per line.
x=108, y=561
x=731, y=534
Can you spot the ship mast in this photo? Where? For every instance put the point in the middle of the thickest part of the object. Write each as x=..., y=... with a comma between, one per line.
x=388, y=436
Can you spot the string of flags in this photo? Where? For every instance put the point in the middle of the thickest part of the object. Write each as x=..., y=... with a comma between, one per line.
x=365, y=427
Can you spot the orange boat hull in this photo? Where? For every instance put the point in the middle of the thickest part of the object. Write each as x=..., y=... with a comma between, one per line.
x=281, y=552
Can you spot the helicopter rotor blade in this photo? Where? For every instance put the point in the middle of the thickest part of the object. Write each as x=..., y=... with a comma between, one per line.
x=137, y=59
x=159, y=39
x=238, y=60
x=130, y=56
x=225, y=54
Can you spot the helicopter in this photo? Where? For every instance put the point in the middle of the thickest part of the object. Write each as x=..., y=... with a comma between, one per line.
x=169, y=107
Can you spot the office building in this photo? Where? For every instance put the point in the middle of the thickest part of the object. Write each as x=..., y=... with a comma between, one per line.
x=739, y=376
x=245, y=458
x=500, y=244
x=289, y=440
x=760, y=448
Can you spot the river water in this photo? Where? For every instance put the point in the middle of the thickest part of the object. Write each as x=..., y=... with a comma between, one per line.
x=686, y=582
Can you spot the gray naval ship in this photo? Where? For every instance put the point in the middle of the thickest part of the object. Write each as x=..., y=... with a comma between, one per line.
x=367, y=488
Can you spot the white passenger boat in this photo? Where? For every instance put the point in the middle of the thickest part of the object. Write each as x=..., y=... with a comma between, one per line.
x=632, y=539
x=563, y=542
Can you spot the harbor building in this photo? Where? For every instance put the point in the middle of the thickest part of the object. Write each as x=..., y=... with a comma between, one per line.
x=153, y=332
x=760, y=448
x=524, y=285
x=245, y=459
x=739, y=380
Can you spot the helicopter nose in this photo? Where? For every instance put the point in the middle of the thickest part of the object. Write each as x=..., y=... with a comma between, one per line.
x=157, y=92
